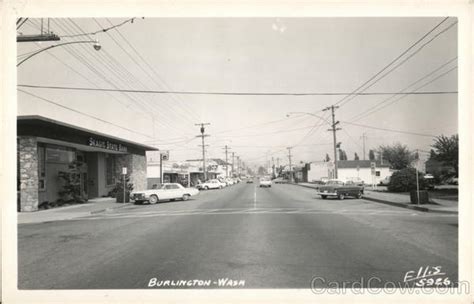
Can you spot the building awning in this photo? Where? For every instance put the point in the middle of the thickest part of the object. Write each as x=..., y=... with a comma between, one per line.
x=57, y=132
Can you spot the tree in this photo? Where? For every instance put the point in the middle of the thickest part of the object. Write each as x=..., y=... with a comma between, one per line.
x=405, y=181
x=371, y=155
x=398, y=156
x=327, y=158
x=446, y=150
x=356, y=157
x=342, y=155
x=262, y=171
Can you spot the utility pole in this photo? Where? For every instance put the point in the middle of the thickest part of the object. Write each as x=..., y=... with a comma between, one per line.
x=226, y=148
x=334, y=129
x=278, y=164
x=202, y=124
x=238, y=166
x=289, y=159
x=233, y=158
x=43, y=36
x=273, y=167
x=364, y=136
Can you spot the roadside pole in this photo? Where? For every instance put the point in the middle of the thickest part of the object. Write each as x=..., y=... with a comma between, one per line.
x=124, y=172
x=417, y=180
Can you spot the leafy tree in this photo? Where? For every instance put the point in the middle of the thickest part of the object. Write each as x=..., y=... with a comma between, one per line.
x=371, y=155
x=262, y=170
x=398, y=156
x=405, y=181
x=356, y=157
x=327, y=158
x=342, y=155
x=446, y=150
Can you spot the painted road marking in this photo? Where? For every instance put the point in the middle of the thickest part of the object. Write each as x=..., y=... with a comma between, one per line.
x=261, y=211
x=255, y=197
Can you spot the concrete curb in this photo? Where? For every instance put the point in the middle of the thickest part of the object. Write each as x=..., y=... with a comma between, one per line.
x=122, y=205
x=406, y=206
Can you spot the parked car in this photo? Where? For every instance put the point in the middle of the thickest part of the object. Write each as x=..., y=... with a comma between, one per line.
x=167, y=191
x=340, y=189
x=385, y=181
x=250, y=181
x=280, y=180
x=265, y=182
x=229, y=181
x=355, y=180
x=211, y=184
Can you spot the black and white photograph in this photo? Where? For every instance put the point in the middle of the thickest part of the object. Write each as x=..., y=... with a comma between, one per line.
x=315, y=154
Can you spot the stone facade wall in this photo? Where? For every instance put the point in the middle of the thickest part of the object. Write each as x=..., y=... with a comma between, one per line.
x=136, y=168
x=28, y=162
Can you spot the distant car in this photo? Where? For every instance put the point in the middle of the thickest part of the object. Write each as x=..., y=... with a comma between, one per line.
x=250, y=181
x=211, y=184
x=280, y=180
x=385, y=181
x=324, y=180
x=167, y=191
x=340, y=190
x=229, y=181
x=452, y=181
x=265, y=182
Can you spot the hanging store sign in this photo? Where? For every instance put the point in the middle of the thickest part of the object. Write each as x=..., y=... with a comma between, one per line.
x=105, y=144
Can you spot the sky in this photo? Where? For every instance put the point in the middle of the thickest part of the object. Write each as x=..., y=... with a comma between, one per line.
x=259, y=55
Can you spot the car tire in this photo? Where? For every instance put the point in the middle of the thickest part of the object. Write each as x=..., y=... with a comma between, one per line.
x=206, y=188
x=340, y=196
x=324, y=196
x=359, y=195
x=153, y=199
x=186, y=197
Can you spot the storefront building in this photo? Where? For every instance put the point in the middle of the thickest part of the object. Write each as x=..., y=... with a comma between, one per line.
x=46, y=148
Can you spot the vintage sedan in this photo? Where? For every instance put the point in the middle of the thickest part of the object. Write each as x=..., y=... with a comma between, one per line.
x=340, y=189
x=167, y=191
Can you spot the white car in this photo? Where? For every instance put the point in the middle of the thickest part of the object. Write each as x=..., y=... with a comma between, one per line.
x=265, y=182
x=211, y=184
x=167, y=191
x=230, y=181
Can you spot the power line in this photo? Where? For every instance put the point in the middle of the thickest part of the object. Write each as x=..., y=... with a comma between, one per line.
x=393, y=61
x=389, y=130
x=82, y=113
x=229, y=93
x=373, y=110
x=101, y=30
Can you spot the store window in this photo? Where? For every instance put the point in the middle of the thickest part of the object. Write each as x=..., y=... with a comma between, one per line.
x=41, y=168
x=57, y=154
x=377, y=173
x=110, y=170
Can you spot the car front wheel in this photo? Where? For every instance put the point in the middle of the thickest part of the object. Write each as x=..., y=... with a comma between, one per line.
x=323, y=196
x=359, y=195
x=340, y=196
x=186, y=197
x=153, y=199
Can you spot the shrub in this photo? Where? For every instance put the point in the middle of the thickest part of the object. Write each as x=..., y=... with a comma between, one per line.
x=405, y=180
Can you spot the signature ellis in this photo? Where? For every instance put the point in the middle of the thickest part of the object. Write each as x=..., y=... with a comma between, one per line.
x=429, y=276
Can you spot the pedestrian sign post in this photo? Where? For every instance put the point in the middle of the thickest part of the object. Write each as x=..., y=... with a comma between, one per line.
x=372, y=171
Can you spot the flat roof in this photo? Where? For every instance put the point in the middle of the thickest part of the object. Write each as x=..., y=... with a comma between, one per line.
x=49, y=121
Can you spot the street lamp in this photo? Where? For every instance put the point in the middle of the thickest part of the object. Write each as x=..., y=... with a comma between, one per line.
x=334, y=134
x=96, y=43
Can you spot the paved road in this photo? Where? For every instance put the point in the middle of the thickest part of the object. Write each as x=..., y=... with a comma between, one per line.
x=279, y=237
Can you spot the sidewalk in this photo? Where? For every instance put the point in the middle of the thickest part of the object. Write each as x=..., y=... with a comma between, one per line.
x=70, y=212
x=403, y=200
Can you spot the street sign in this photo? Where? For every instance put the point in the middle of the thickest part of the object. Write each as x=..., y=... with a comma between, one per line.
x=124, y=170
x=165, y=155
x=372, y=168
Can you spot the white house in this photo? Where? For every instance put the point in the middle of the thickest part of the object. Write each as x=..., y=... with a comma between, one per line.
x=349, y=169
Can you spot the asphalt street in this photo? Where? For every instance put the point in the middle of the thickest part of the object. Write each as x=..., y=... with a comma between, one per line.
x=278, y=237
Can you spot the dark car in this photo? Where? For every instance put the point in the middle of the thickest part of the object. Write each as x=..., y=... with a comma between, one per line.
x=340, y=190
